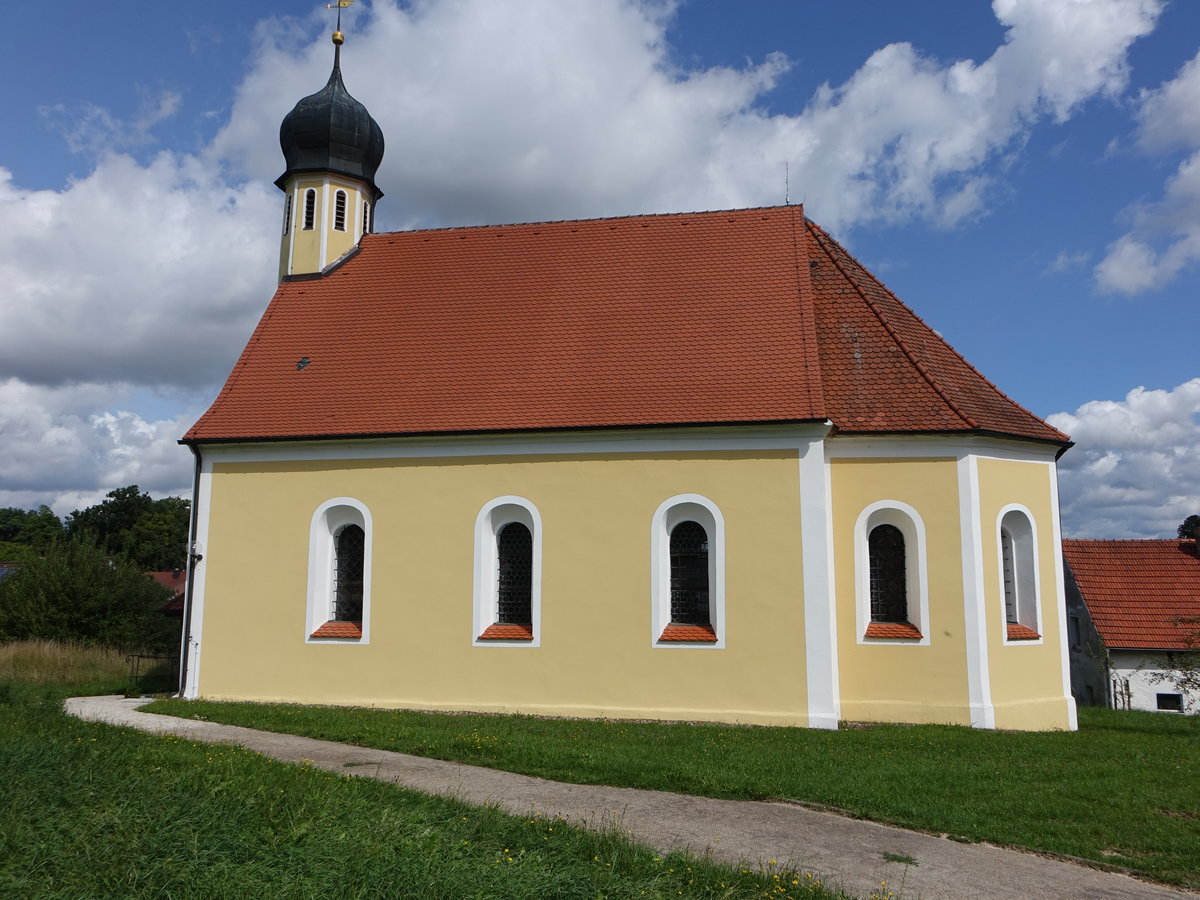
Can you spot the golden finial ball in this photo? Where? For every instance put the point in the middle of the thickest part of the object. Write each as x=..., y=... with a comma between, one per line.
x=338, y=37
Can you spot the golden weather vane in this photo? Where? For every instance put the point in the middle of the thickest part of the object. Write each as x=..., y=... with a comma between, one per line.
x=339, y=5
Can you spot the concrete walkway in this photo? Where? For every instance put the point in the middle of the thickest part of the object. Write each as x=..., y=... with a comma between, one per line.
x=843, y=852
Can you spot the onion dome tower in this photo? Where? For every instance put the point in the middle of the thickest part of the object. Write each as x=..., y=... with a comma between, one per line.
x=332, y=148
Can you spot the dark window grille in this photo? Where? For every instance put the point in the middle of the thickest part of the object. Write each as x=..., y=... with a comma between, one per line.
x=287, y=214
x=689, y=575
x=1010, y=577
x=514, y=559
x=366, y=225
x=310, y=209
x=339, y=211
x=348, y=575
x=889, y=589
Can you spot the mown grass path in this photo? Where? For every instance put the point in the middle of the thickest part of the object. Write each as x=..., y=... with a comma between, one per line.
x=97, y=811
x=1123, y=790
x=862, y=857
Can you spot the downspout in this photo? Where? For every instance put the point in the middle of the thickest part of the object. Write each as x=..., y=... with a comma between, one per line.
x=193, y=558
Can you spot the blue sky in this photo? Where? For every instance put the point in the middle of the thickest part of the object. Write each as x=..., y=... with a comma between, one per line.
x=1025, y=174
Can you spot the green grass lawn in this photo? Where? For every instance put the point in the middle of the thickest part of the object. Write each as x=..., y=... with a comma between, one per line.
x=95, y=811
x=1123, y=790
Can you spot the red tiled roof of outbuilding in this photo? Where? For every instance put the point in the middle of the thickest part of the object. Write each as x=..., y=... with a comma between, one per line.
x=738, y=316
x=1136, y=591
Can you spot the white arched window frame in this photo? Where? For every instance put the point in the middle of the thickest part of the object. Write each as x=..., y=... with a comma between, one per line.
x=1016, y=547
x=491, y=519
x=366, y=218
x=287, y=214
x=672, y=512
x=328, y=520
x=916, y=573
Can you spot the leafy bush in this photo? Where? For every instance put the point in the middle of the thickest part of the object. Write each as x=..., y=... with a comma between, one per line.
x=76, y=592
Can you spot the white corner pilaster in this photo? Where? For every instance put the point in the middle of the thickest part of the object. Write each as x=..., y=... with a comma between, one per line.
x=1060, y=601
x=979, y=682
x=198, y=546
x=820, y=612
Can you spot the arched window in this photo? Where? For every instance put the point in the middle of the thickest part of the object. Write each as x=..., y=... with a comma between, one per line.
x=366, y=222
x=508, y=583
x=689, y=575
x=891, y=598
x=889, y=590
x=1018, y=576
x=287, y=214
x=339, y=211
x=514, y=575
x=687, y=539
x=339, y=572
x=310, y=209
x=348, y=574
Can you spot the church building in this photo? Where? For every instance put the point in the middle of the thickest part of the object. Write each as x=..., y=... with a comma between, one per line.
x=694, y=466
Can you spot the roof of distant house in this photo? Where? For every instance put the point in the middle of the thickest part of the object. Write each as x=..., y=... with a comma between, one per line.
x=173, y=580
x=741, y=316
x=1136, y=591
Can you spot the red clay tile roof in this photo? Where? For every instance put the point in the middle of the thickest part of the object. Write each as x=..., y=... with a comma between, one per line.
x=174, y=581
x=689, y=633
x=893, y=630
x=1135, y=590
x=498, y=632
x=333, y=629
x=719, y=317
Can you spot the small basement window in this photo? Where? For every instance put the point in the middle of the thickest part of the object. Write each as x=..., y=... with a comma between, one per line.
x=1170, y=702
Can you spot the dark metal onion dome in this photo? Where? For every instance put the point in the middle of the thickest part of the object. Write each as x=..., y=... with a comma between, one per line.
x=330, y=131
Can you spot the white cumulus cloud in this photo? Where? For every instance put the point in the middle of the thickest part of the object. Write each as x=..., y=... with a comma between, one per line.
x=1164, y=241
x=545, y=109
x=1135, y=468
x=64, y=446
x=151, y=274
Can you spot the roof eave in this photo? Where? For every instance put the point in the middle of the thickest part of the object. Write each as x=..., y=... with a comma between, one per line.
x=479, y=432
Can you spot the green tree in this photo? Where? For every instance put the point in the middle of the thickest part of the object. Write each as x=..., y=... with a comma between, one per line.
x=34, y=528
x=1190, y=528
x=150, y=533
x=76, y=591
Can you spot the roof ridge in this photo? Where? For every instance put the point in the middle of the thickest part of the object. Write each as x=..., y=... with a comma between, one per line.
x=1174, y=540
x=921, y=368
x=588, y=220
x=812, y=359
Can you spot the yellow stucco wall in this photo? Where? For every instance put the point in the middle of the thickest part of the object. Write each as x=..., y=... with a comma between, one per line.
x=902, y=682
x=304, y=246
x=595, y=656
x=1026, y=677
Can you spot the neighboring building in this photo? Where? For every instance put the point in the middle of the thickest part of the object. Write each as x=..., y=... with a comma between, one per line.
x=1128, y=603
x=690, y=466
x=175, y=581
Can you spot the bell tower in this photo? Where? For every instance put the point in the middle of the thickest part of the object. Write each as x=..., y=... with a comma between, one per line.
x=332, y=148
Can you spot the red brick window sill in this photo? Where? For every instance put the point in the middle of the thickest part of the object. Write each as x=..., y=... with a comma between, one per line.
x=351, y=630
x=1021, y=633
x=695, y=634
x=500, y=632
x=893, y=630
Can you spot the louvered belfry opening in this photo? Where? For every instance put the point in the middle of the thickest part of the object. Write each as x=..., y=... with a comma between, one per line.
x=889, y=589
x=348, y=575
x=689, y=575
x=514, y=559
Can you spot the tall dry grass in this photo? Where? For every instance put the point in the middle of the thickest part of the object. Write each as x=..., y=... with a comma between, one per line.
x=60, y=662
